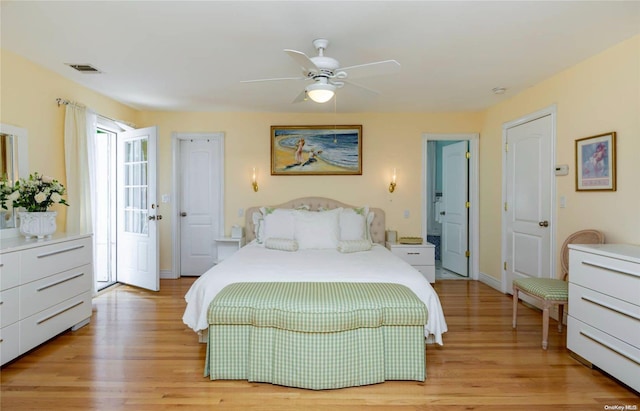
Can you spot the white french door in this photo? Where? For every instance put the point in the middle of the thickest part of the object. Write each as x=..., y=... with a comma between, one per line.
x=137, y=209
x=529, y=185
x=455, y=177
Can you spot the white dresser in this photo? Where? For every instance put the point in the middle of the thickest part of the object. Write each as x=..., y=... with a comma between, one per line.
x=604, y=308
x=45, y=289
x=420, y=256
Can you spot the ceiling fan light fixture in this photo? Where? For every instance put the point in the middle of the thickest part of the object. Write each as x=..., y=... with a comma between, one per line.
x=320, y=92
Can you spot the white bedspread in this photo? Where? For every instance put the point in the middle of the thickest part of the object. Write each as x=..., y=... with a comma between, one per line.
x=256, y=263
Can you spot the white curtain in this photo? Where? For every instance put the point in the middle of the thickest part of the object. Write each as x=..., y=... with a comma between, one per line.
x=79, y=135
x=79, y=153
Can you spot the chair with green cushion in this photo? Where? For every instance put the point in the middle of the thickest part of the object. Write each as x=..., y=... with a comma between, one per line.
x=552, y=291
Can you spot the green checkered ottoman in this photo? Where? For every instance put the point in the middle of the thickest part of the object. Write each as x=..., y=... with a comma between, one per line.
x=316, y=335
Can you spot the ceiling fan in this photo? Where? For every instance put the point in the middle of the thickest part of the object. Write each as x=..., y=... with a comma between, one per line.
x=327, y=75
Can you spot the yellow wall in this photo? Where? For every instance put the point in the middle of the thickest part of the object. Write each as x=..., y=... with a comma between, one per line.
x=389, y=140
x=599, y=95
x=28, y=100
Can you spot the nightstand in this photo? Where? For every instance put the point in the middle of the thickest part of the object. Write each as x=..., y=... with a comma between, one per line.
x=227, y=246
x=420, y=256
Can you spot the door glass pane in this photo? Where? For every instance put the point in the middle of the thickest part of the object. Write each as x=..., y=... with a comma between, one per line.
x=136, y=202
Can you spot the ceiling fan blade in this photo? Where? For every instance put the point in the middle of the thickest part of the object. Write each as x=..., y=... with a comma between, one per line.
x=273, y=79
x=303, y=61
x=372, y=69
x=360, y=87
x=301, y=97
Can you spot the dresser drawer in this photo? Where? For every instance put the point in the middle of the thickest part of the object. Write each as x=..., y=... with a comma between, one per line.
x=617, y=278
x=39, y=295
x=9, y=303
x=611, y=315
x=40, y=262
x=40, y=327
x=605, y=351
x=9, y=343
x=9, y=270
x=415, y=255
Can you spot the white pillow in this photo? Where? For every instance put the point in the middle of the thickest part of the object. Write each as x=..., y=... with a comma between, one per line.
x=354, y=246
x=278, y=223
x=258, y=226
x=317, y=229
x=282, y=244
x=353, y=223
x=367, y=230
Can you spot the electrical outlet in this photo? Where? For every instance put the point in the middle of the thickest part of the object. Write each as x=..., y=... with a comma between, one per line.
x=406, y=213
x=240, y=212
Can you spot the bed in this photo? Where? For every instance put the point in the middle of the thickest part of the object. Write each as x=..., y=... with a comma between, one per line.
x=313, y=262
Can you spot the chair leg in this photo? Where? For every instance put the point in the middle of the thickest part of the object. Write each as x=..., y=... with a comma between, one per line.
x=545, y=325
x=560, y=317
x=515, y=305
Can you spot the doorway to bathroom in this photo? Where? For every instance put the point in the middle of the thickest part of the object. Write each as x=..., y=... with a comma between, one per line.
x=450, y=203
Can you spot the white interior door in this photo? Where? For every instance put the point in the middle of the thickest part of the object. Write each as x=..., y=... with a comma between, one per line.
x=200, y=204
x=455, y=221
x=528, y=206
x=137, y=209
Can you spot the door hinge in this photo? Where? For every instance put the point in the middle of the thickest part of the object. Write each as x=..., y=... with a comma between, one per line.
x=506, y=147
x=467, y=204
x=467, y=253
x=505, y=206
x=467, y=154
x=505, y=266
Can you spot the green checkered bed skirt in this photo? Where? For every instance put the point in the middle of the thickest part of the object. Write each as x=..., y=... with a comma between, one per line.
x=316, y=335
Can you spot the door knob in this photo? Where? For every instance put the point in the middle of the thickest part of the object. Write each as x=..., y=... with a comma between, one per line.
x=159, y=217
x=443, y=212
x=544, y=223
x=183, y=214
x=152, y=217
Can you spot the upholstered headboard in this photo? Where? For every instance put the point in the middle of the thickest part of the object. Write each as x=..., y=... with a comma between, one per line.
x=377, y=225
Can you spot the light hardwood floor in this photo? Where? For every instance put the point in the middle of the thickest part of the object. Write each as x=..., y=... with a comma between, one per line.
x=136, y=354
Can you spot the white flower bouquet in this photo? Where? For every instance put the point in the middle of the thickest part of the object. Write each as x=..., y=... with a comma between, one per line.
x=37, y=193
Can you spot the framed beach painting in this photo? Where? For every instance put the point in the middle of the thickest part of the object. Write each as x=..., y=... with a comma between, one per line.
x=316, y=150
x=596, y=163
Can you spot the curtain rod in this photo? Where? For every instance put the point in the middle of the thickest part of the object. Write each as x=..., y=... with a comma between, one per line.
x=62, y=101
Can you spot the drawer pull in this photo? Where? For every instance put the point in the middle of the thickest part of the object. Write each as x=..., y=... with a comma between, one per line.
x=413, y=253
x=1, y=340
x=57, y=313
x=615, y=350
x=616, y=270
x=615, y=309
x=60, y=251
x=1, y=265
x=64, y=280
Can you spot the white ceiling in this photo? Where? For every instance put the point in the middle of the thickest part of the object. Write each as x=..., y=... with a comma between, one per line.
x=191, y=56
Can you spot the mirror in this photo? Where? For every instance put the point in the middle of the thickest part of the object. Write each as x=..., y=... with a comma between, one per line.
x=14, y=164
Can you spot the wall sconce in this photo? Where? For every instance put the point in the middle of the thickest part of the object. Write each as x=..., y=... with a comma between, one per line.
x=254, y=180
x=392, y=185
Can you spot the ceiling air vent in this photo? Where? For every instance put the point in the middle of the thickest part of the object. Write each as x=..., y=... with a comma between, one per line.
x=84, y=68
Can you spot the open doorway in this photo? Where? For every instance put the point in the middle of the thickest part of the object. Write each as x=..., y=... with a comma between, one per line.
x=105, y=208
x=125, y=210
x=450, y=203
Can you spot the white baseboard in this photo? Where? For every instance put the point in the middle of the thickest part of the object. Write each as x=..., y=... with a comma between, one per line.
x=167, y=274
x=490, y=281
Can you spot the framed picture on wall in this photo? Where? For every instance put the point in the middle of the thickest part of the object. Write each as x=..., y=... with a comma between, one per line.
x=316, y=150
x=596, y=163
